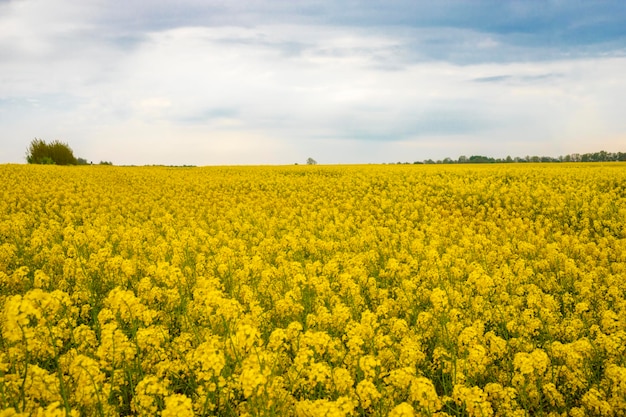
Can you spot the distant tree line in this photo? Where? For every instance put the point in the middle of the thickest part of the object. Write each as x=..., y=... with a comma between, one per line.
x=601, y=156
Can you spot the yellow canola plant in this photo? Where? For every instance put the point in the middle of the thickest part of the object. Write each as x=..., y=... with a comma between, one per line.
x=408, y=290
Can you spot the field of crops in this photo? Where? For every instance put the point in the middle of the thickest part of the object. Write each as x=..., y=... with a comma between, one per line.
x=459, y=290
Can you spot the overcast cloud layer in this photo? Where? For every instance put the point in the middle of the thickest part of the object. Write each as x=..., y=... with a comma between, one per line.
x=274, y=82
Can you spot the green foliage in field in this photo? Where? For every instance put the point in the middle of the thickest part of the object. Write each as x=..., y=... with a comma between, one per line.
x=55, y=152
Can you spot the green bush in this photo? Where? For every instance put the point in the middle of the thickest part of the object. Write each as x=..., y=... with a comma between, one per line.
x=55, y=152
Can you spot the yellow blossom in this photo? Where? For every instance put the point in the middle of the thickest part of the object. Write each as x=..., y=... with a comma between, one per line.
x=177, y=405
x=402, y=410
x=485, y=290
x=367, y=393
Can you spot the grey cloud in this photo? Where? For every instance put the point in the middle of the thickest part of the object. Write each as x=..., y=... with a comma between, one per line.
x=431, y=122
x=448, y=30
x=541, y=77
x=492, y=79
x=56, y=101
x=312, y=71
x=450, y=122
x=528, y=30
x=521, y=79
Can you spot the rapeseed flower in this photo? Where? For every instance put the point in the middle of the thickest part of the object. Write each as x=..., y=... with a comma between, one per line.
x=392, y=290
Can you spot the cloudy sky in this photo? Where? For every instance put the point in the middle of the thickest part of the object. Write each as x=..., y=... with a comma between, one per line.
x=210, y=82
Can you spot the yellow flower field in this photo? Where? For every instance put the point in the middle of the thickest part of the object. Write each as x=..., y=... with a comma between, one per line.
x=457, y=290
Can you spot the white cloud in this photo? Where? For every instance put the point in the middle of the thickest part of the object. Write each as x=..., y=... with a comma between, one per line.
x=278, y=93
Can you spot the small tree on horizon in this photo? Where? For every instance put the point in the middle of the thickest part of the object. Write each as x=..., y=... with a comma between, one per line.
x=311, y=161
x=55, y=152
